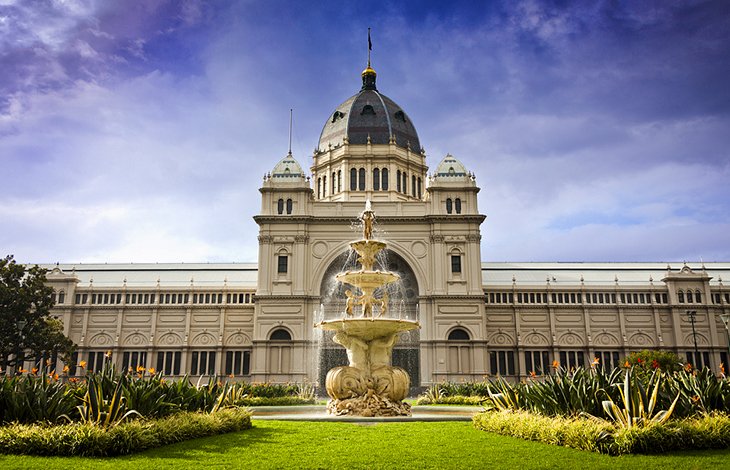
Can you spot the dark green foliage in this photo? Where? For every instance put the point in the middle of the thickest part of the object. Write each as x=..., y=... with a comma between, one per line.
x=648, y=361
x=700, y=391
x=25, y=321
x=125, y=438
x=35, y=398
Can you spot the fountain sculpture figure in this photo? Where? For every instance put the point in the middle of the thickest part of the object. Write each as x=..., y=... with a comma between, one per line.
x=370, y=385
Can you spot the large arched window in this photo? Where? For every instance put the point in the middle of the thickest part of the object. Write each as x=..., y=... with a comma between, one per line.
x=449, y=206
x=384, y=174
x=698, y=297
x=459, y=334
x=376, y=179
x=413, y=186
x=62, y=297
x=339, y=180
x=280, y=206
x=324, y=186
x=405, y=182
x=361, y=182
x=353, y=179
x=459, y=353
x=280, y=334
x=280, y=351
x=457, y=205
x=397, y=181
x=332, y=183
x=289, y=206
x=419, y=188
x=319, y=188
x=680, y=296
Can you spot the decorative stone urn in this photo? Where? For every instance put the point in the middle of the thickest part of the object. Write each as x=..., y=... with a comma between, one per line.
x=370, y=385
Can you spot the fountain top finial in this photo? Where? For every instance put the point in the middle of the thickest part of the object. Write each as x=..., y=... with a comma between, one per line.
x=367, y=217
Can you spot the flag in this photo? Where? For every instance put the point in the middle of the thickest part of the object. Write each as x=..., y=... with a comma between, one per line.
x=370, y=43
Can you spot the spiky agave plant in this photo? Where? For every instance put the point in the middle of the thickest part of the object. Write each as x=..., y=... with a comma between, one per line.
x=637, y=407
x=95, y=409
x=506, y=397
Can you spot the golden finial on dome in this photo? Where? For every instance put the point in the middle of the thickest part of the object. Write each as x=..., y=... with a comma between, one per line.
x=368, y=75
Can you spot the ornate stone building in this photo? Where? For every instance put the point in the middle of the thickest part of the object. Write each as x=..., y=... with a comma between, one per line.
x=255, y=321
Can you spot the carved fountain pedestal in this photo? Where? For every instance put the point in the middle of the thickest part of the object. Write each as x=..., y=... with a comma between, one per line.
x=370, y=385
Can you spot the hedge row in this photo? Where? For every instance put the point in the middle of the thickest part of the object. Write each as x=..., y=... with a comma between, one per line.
x=710, y=431
x=452, y=400
x=276, y=401
x=128, y=437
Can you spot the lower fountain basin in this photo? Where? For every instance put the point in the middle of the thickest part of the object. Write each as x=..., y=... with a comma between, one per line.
x=369, y=329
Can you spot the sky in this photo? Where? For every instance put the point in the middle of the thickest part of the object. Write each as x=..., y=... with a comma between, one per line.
x=139, y=131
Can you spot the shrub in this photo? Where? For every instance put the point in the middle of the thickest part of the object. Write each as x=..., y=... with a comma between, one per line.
x=708, y=431
x=647, y=360
x=80, y=439
x=452, y=400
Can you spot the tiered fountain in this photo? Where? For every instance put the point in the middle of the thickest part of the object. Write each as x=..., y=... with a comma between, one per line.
x=370, y=385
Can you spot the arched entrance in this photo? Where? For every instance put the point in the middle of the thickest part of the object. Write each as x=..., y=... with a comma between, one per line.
x=403, y=297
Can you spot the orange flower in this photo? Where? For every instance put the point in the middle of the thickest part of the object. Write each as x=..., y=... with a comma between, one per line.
x=556, y=364
x=73, y=380
x=22, y=371
x=140, y=369
x=533, y=374
x=151, y=370
x=626, y=364
x=688, y=367
x=34, y=371
x=55, y=376
x=82, y=364
x=722, y=368
x=65, y=369
x=108, y=354
x=48, y=362
x=695, y=398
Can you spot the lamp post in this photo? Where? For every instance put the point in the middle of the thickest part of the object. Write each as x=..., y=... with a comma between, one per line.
x=725, y=317
x=19, y=365
x=691, y=316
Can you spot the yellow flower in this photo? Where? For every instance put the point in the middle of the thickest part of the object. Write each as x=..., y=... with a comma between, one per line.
x=65, y=369
x=108, y=354
x=82, y=364
x=140, y=369
x=151, y=370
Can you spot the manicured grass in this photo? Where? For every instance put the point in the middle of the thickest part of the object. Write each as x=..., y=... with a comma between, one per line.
x=280, y=444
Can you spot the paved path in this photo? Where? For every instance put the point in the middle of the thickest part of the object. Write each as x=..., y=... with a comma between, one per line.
x=318, y=413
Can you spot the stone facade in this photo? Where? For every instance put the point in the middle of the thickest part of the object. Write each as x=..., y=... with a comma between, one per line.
x=255, y=321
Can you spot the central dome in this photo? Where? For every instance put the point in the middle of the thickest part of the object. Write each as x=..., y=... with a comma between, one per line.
x=369, y=114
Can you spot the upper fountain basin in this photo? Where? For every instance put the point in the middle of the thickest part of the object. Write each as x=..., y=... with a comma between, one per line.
x=369, y=329
x=367, y=279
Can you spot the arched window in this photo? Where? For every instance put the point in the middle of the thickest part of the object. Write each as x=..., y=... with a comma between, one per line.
x=280, y=334
x=353, y=179
x=459, y=334
x=376, y=179
x=324, y=186
x=680, y=297
x=368, y=109
x=319, y=188
x=419, y=188
x=280, y=206
x=289, y=206
x=457, y=205
x=332, y=183
x=280, y=352
x=448, y=206
x=384, y=174
x=62, y=297
x=413, y=185
x=339, y=180
x=459, y=354
x=397, y=180
x=361, y=182
x=698, y=297
x=405, y=182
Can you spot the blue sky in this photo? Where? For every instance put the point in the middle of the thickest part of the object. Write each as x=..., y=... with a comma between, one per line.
x=139, y=131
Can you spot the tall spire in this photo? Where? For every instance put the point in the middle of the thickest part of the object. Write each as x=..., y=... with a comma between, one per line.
x=291, y=112
x=368, y=75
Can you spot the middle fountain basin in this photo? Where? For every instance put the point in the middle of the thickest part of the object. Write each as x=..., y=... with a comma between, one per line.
x=369, y=329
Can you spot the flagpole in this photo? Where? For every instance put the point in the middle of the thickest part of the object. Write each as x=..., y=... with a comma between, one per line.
x=370, y=47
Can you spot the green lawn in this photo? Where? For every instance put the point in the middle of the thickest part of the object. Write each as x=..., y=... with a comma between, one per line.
x=281, y=444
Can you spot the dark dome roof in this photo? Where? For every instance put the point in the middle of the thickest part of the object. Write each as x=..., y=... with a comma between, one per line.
x=369, y=113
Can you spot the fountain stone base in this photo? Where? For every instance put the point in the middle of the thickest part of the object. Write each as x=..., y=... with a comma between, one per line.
x=370, y=385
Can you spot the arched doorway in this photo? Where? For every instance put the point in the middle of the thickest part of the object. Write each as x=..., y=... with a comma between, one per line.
x=403, y=297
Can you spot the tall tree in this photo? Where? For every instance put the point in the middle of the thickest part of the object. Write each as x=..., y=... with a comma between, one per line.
x=26, y=325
